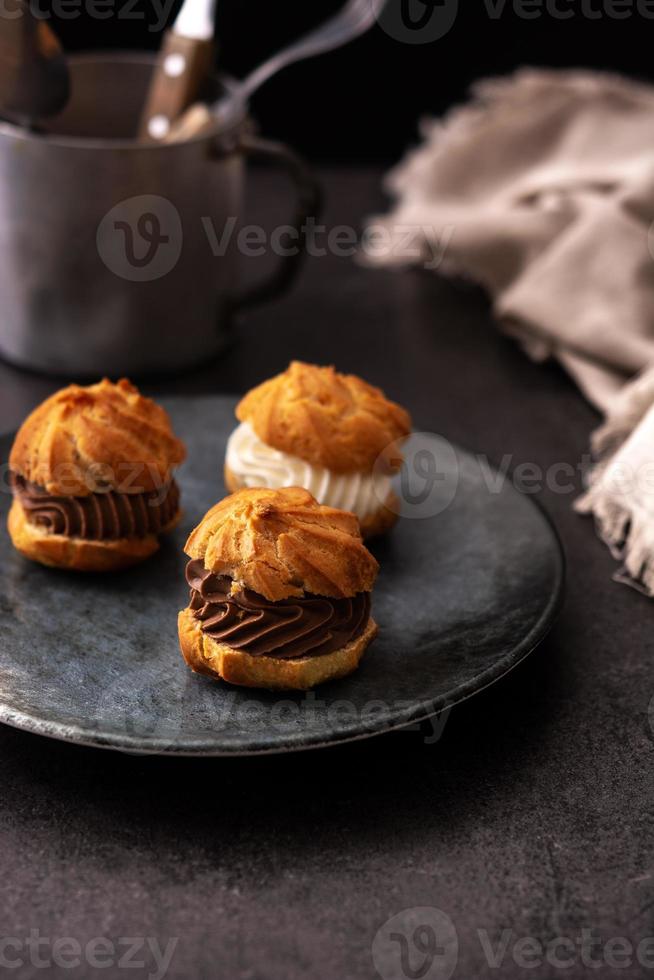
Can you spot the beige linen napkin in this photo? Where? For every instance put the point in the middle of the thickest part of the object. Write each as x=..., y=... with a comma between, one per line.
x=542, y=190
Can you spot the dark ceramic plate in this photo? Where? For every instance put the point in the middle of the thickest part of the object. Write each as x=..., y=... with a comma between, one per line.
x=462, y=597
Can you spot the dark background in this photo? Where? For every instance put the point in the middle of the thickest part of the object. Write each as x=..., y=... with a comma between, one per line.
x=534, y=813
x=363, y=103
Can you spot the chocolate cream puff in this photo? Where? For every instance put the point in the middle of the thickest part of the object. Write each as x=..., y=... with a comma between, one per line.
x=280, y=591
x=91, y=472
x=333, y=434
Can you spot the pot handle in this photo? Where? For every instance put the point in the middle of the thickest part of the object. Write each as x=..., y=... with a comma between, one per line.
x=309, y=204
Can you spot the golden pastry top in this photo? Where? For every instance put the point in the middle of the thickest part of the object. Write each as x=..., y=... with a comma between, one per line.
x=282, y=543
x=328, y=419
x=102, y=437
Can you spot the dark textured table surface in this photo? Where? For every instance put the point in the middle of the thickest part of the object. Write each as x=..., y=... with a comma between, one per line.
x=529, y=820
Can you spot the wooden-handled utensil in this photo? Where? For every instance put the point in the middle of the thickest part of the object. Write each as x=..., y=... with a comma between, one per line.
x=353, y=20
x=185, y=63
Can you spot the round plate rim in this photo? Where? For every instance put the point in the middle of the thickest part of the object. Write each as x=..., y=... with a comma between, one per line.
x=419, y=712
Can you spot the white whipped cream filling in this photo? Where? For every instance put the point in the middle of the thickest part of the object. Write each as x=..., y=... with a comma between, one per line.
x=256, y=464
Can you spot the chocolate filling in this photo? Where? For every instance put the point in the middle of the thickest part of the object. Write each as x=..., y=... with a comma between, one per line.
x=308, y=627
x=100, y=516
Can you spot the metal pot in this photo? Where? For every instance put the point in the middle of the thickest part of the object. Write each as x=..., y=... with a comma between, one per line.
x=106, y=264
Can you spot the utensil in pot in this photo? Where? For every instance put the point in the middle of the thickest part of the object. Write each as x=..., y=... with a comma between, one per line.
x=185, y=64
x=355, y=19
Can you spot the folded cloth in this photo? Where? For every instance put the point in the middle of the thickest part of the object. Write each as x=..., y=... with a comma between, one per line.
x=542, y=190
